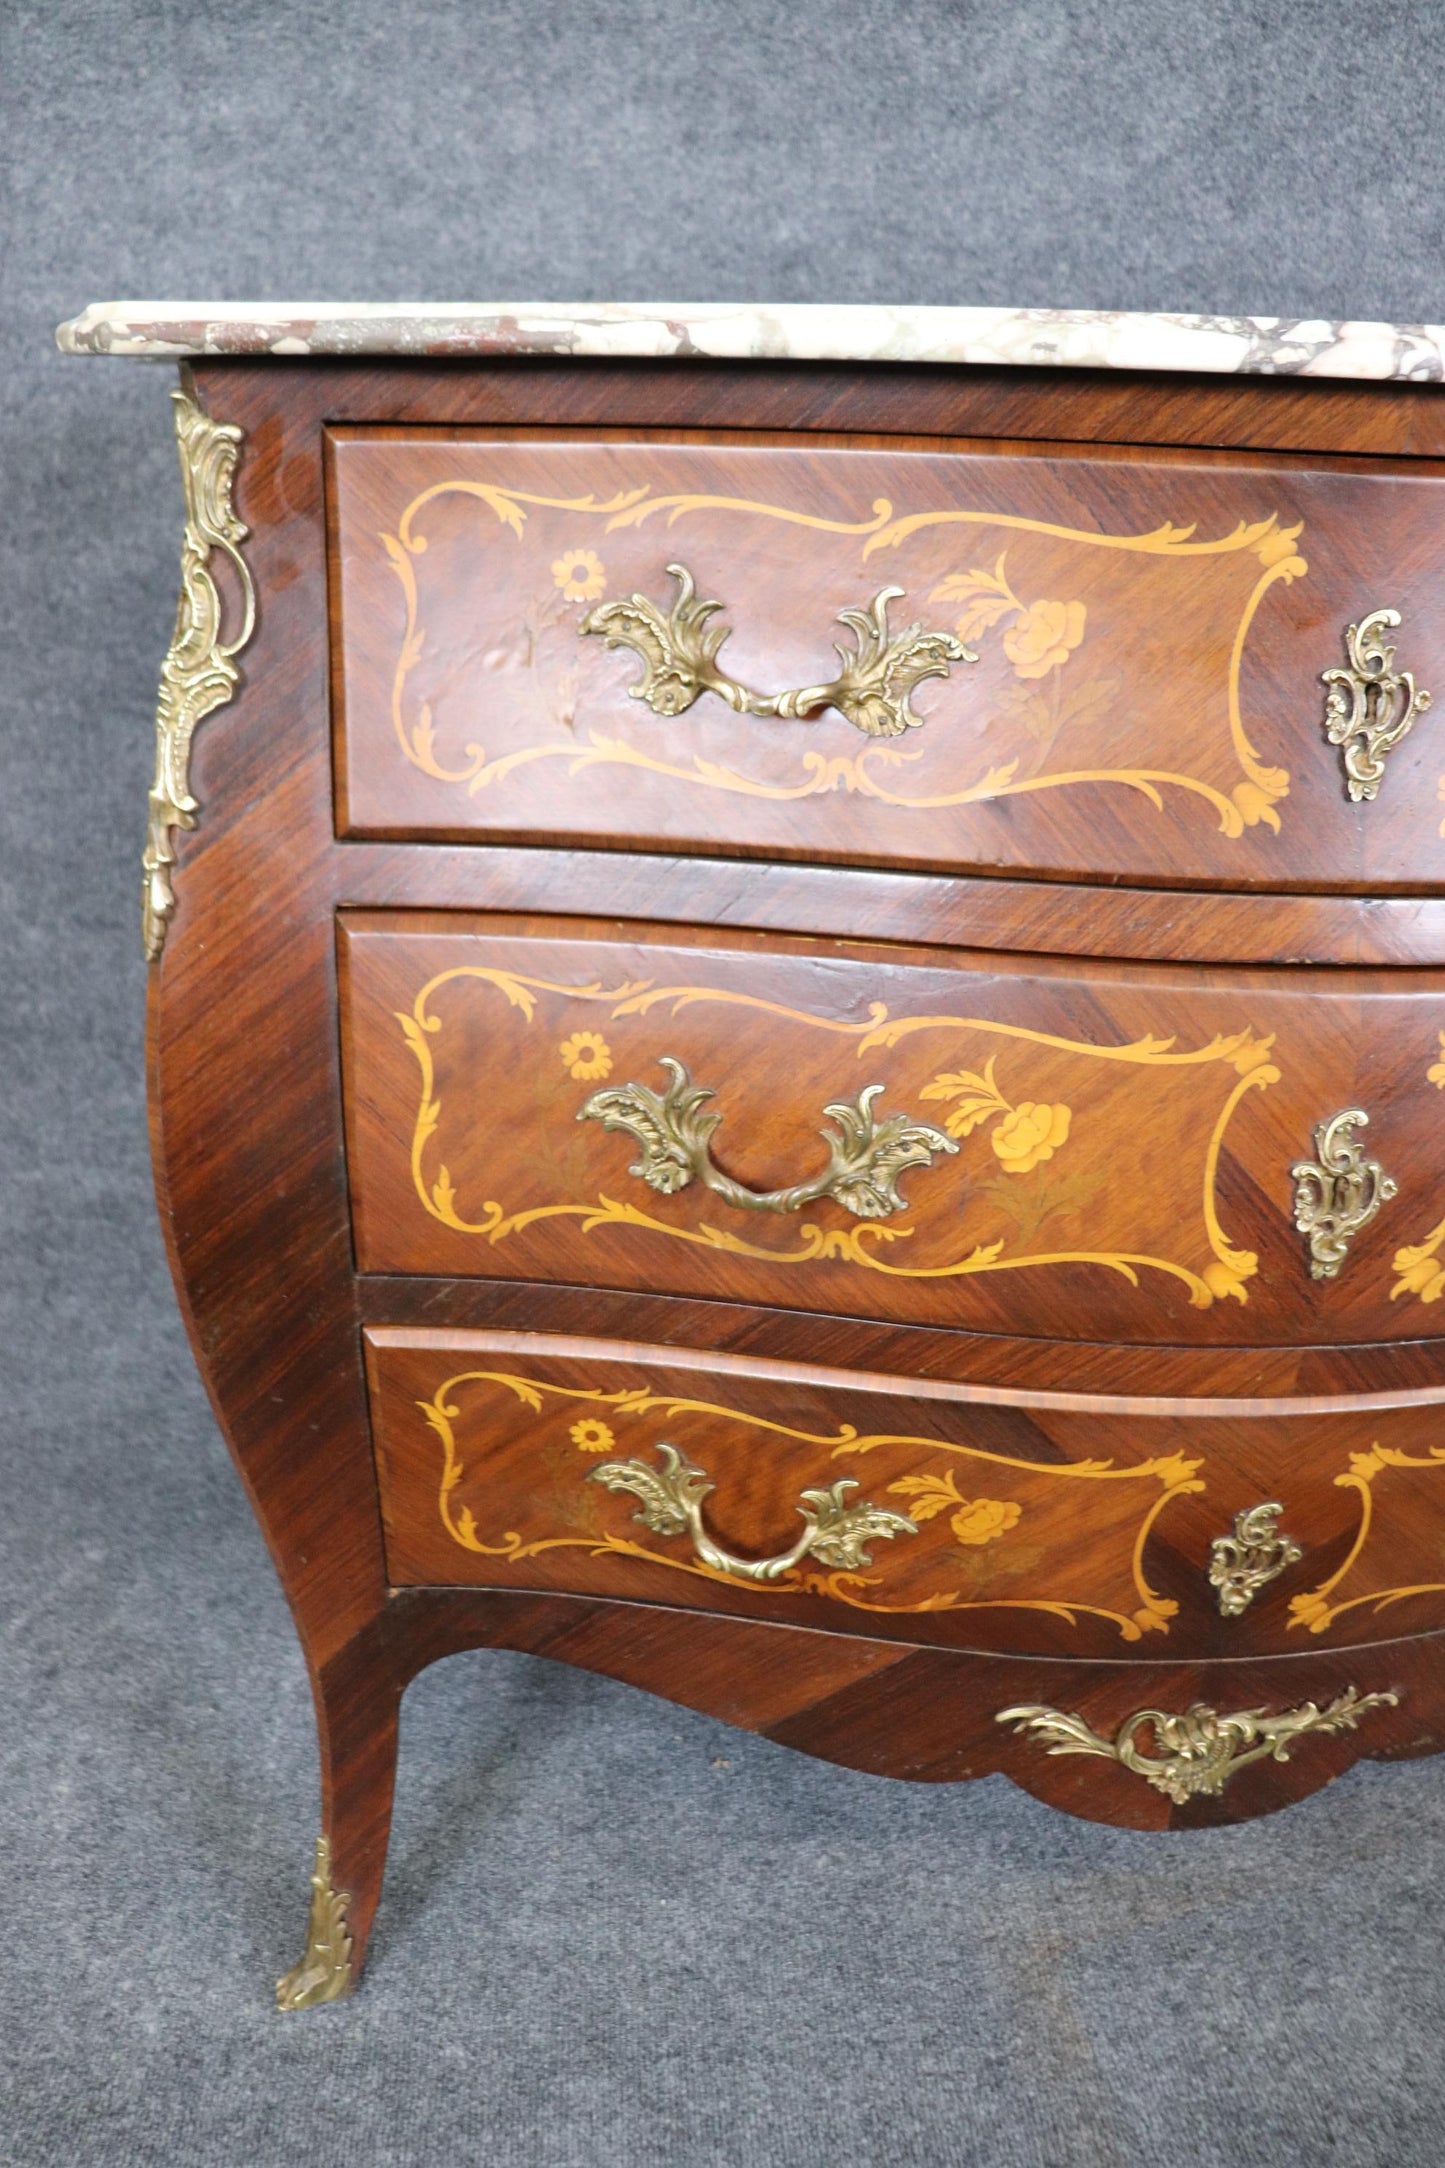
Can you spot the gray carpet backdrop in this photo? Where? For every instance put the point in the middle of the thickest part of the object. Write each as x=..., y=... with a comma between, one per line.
x=613, y=1933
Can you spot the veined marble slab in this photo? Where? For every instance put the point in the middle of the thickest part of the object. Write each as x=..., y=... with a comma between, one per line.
x=1030, y=338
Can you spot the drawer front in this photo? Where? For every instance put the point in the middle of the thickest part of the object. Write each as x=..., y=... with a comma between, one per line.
x=1145, y=696
x=1003, y=1144
x=1049, y=1523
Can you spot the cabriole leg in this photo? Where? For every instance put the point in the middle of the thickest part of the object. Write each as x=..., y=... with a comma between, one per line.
x=357, y=1703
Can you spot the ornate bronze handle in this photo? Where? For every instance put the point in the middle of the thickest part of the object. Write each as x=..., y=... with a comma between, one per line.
x=679, y=651
x=1338, y=1192
x=1242, y=1564
x=1370, y=705
x=672, y=1505
x=865, y=1155
x=1196, y=1753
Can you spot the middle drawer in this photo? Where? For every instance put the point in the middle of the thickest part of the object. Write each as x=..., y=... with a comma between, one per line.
x=1002, y=1143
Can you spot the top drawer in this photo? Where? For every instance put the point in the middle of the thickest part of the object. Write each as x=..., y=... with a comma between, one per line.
x=515, y=658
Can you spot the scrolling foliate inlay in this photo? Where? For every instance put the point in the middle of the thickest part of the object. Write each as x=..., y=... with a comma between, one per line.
x=1026, y=1133
x=199, y=673
x=1318, y=1608
x=1018, y=1551
x=1421, y=1265
x=1039, y=636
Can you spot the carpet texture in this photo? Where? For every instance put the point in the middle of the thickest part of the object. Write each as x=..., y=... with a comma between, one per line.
x=613, y=1933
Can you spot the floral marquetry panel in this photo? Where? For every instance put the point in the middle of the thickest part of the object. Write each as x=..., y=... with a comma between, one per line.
x=943, y=1137
x=954, y=655
x=1051, y=1522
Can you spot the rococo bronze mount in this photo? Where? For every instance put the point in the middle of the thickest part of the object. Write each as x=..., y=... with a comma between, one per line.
x=894, y=1199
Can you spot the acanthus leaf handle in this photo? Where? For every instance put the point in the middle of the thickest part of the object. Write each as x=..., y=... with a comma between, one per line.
x=679, y=648
x=866, y=1153
x=672, y=1497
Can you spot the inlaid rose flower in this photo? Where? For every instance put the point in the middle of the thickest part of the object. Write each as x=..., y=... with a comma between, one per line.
x=980, y=1520
x=1032, y=1132
x=976, y=1521
x=1042, y=637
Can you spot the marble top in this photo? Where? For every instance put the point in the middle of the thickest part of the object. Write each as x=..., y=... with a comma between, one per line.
x=1030, y=338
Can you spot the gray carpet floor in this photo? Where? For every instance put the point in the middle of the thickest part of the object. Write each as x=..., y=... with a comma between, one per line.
x=614, y=1934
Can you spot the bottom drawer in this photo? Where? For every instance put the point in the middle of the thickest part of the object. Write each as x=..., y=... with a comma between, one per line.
x=961, y=1516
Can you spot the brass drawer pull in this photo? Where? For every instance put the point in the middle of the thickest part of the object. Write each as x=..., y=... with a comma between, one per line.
x=833, y=1531
x=1196, y=1753
x=1240, y=1565
x=1338, y=1192
x=865, y=1155
x=1370, y=705
x=679, y=651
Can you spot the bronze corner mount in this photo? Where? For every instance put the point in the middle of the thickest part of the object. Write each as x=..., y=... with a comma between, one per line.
x=199, y=673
